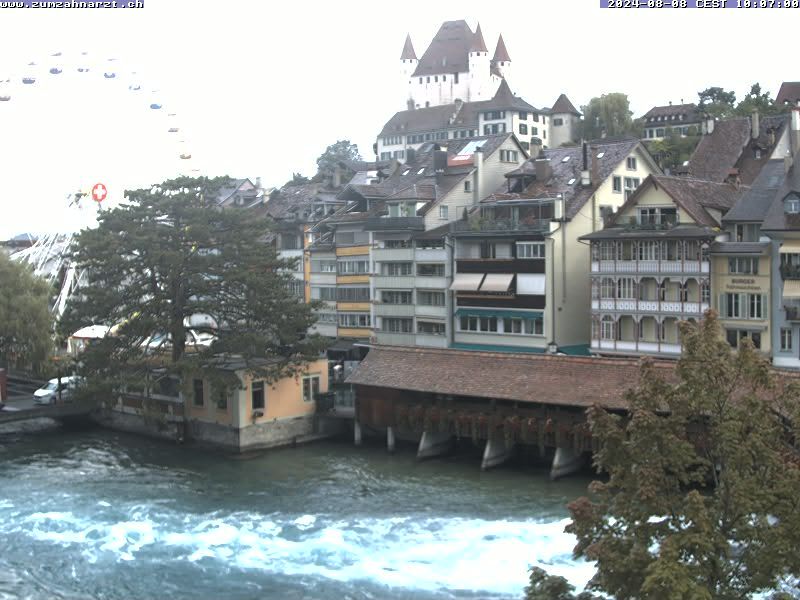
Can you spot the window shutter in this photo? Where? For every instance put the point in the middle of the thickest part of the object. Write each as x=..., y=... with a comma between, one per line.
x=764, y=300
x=723, y=305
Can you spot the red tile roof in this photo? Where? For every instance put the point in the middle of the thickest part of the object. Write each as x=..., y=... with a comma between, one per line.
x=478, y=45
x=500, y=53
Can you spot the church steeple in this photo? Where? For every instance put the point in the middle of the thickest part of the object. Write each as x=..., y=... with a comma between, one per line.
x=478, y=45
x=408, y=50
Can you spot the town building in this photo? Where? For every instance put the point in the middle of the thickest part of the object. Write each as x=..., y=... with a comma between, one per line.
x=678, y=119
x=521, y=281
x=456, y=65
x=651, y=268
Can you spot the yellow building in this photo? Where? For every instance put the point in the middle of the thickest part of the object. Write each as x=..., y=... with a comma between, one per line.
x=258, y=414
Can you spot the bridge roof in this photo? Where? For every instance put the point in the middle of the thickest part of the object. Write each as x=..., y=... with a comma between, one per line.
x=536, y=378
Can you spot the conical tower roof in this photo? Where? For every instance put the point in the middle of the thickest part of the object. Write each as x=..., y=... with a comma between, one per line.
x=408, y=49
x=500, y=53
x=478, y=45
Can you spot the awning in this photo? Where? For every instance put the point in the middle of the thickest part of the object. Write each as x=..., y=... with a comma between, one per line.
x=530, y=284
x=466, y=282
x=500, y=314
x=497, y=282
x=790, y=247
x=791, y=288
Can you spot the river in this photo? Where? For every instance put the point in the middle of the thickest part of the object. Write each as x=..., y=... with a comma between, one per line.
x=96, y=514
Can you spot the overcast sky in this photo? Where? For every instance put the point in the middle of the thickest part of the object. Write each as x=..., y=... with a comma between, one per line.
x=261, y=88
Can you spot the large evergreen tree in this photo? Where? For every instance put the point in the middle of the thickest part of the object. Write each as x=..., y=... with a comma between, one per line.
x=25, y=320
x=702, y=499
x=170, y=264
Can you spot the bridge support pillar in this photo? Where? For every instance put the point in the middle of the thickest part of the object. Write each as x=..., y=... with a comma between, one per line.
x=566, y=462
x=390, y=441
x=434, y=444
x=357, y=433
x=496, y=452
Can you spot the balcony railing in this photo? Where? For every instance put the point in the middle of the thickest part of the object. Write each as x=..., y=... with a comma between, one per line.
x=650, y=266
x=650, y=306
x=482, y=224
x=790, y=271
x=664, y=225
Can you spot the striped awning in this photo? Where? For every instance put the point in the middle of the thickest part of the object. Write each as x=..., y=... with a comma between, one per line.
x=790, y=247
x=791, y=288
x=497, y=282
x=466, y=282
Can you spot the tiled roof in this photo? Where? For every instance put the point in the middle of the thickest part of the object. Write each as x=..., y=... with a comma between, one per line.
x=500, y=52
x=447, y=116
x=690, y=112
x=408, y=50
x=564, y=106
x=538, y=378
x=696, y=195
x=717, y=152
x=755, y=203
x=789, y=93
x=566, y=164
x=776, y=218
x=449, y=50
x=478, y=45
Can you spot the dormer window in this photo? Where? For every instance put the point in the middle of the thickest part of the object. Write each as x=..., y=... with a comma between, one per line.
x=407, y=171
x=791, y=204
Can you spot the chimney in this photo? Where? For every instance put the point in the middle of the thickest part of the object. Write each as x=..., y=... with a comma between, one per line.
x=795, y=130
x=586, y=179
x=477, y=160
x=542, y=169
x=258, y=183
x=337, y=176
x=411, y=156
x=787, y=161
x=595, y=176
x=439, y=161
x=755, y=129
x=709, y=124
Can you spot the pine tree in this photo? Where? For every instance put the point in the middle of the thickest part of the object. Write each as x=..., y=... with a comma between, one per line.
x=169, y=256
x=702, y=499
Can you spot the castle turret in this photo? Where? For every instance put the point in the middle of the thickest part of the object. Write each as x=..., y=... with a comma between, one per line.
x=501, y=62
x=478, y=66
x=408, y=64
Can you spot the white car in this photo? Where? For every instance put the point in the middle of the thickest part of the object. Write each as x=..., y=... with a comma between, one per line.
x=49, y=393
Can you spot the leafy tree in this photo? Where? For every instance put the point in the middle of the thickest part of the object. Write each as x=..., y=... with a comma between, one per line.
x=609, y=115
x=702, y=499
x=673, y=150
x=756, y=100
x=169, y=255
x=550, y=587
x=25, y=322
x=342, y=150
x=297, y=179
x=717, y=102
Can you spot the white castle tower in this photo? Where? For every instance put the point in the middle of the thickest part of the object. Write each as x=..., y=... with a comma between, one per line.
x=408, y=64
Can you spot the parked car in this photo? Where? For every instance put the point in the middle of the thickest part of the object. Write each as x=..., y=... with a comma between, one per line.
x=49, y=393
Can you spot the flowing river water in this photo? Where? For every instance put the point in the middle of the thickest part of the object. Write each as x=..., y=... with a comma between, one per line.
x=96, y=514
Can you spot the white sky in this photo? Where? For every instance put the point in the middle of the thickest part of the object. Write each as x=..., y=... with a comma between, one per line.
x=261, y=88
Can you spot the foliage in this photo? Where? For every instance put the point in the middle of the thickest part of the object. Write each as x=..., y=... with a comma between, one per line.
x=716, y=102
x=756, y=100
x=673, y=150
x=703, y=493
x=608, y=115
x=342, y=150
x=297, y=179
x=25, y=322
x=168, y=255
x=550, y=587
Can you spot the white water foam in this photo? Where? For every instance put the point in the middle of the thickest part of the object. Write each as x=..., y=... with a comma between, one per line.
x=409, y=552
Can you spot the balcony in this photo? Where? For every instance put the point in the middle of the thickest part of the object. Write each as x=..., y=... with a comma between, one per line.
x=393, y=282
x=638, y=347
x=498, y=226
x=792, y=313
x=630, y=305
x=500, y=265
x=651, y=266
x=790, y=271
x=395, y=338
x=395, y=224
x=393, y=310
x=393, y=254
x=430, y=255
x=429, y=310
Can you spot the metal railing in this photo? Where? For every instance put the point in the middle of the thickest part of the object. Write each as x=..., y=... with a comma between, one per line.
x=479, y=224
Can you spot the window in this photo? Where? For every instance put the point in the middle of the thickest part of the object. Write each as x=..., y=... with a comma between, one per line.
x=396, y=244
x=467, y=186
x=352, y=294
x=523, y=116
x=386, y=155
x=430, y=298
x=310, y=388
x=493, y=115
x=430, y=270
x=475, y=323
x=535, y=131
x=427, y=80
x=649, y=250
x=756, y=306
x=326, y=317
x=353, y=267
x=747, y=232
x=222, y=399
x=743, y=266
x=743, y=306
x=791, y=205
x=198, y=398
x=328, y=294
x=625, y=288
x=257, y=395
x=655, y=215
x=323, y=266
x=631, y=183
x=443, y=209
x=607, y=288
x=525, y=145
x=617, y=183
x=607, y=328
x=432, y=244
x=530, y=249
x=395, y=297
x=296, y=288
x=786, y=340
x=735, y=337
x=354, y=320
x=520, y=326
x=430, y=328
x=705, y=293
x=608, y=251
x=455, y=77
x=523, y=128
x=488, y=250
x=393, y=325
x=398, y=269
x=558, y=122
